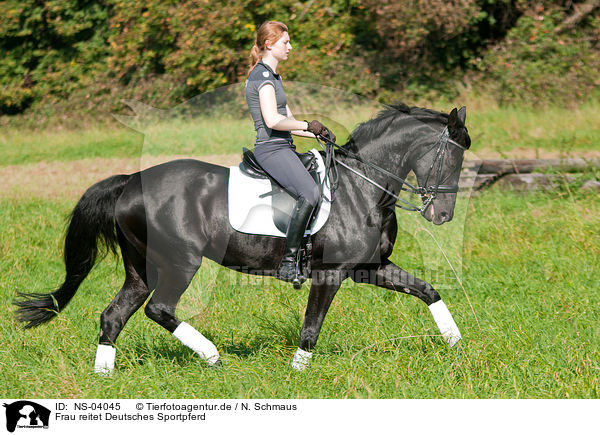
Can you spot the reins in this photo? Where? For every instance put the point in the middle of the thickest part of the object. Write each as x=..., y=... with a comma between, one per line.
x=427, y=193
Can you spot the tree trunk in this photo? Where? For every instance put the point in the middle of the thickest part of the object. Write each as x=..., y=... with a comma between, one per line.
x=581, y=11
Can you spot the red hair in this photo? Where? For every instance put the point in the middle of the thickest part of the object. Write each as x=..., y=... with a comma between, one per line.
x=269, y=30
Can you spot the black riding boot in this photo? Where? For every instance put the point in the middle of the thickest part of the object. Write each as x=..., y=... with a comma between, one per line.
x=288, y=268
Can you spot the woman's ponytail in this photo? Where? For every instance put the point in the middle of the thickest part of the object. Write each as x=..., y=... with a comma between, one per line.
x=255, y=53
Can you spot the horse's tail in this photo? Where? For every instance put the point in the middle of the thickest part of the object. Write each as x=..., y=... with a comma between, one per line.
x=93, y=218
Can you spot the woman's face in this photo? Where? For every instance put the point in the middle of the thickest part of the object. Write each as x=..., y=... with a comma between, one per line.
x=281, y=48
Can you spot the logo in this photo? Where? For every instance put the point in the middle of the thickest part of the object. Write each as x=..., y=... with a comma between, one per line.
x=265, y=74
x=25, y=414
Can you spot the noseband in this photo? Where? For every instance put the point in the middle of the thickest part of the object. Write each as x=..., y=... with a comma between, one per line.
x=427, y=193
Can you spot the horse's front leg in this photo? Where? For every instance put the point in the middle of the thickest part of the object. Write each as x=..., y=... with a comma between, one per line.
x=324, y=286
x=392, y=277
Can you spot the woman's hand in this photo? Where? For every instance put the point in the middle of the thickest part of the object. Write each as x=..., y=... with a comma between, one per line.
x=319, y=130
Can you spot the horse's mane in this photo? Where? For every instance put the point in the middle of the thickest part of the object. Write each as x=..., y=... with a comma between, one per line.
x=376, y=126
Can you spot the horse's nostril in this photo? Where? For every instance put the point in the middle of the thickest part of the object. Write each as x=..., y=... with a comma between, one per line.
x=444, y=215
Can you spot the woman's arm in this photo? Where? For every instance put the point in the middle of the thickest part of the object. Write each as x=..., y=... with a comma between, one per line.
x=313, y=129
x=273, y=119
x=297, y=132
x=276, y=121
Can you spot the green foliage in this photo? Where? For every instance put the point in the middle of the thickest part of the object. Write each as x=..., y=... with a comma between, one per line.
x=537, y=64
x=48, y=49
x=324, y=34
x=140, y=37
x=59, y=57
x=201, y=47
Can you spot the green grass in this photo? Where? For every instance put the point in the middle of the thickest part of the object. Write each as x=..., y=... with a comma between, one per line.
x=200, y=136
x=531, y=275
x=560, y=129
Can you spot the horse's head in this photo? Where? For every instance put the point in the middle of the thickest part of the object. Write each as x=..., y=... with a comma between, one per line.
x=438, y=169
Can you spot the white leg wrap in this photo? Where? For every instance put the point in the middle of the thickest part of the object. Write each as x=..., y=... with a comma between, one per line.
x=301, y=359
x=105, y=359
x=445, y=322
x=197, y=342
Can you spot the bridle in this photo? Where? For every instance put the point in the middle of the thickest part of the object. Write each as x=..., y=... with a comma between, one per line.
x=427, y=193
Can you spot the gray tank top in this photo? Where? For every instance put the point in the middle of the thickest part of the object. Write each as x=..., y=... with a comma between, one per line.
x=260, y=76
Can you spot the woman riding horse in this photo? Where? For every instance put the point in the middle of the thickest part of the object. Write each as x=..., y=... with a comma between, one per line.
x=274, y=149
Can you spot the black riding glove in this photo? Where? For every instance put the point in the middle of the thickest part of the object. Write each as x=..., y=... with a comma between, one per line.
x=319, y=130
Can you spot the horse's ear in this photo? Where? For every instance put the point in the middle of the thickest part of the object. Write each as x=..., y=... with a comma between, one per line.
x=462, y=115
x=453, y=118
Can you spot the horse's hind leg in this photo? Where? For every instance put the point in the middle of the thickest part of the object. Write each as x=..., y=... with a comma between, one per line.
x=172, y=282
x=129, y=299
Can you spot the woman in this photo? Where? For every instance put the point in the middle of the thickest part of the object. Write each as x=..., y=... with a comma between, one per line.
x=274, y=124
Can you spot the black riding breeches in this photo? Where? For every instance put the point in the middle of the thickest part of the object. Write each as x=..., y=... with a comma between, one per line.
x=282, y=163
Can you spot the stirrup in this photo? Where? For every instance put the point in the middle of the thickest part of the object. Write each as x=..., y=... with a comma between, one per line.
x=297, y=279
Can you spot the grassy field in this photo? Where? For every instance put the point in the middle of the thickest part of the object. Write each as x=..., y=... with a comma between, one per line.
x=530, y=271
x=493, y=129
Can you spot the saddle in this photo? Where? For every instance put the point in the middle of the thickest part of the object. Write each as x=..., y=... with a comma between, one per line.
x=283, y=201
x=252, y=168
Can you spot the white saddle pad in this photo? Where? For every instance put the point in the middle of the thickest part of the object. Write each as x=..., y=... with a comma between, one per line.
x=248, y=213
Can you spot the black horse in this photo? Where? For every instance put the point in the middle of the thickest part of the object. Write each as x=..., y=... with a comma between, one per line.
x=166, y=218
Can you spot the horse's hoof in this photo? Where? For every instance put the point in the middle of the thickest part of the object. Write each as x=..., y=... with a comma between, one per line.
x=452, y=339
x=445, y=322
x=217, y=364
x=301, y=360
